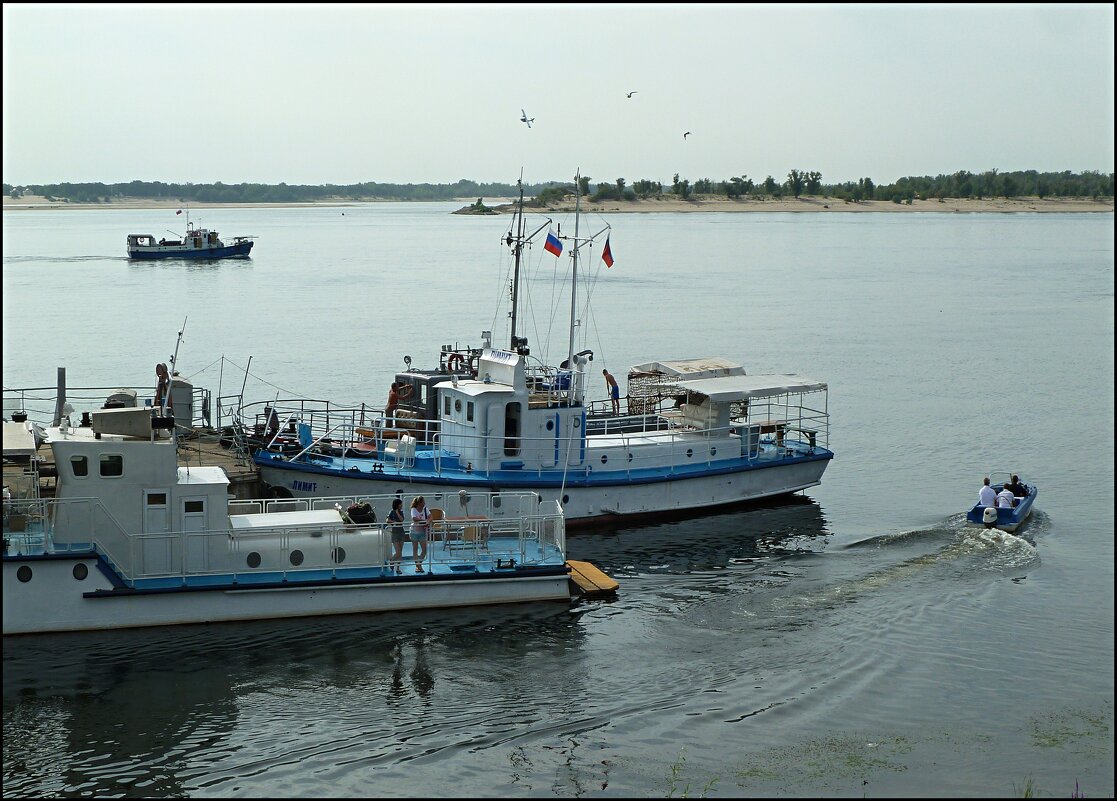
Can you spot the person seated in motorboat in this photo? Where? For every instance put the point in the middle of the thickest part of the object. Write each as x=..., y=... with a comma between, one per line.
x=1018, y=489
x=1005, y=499
x=986, y=496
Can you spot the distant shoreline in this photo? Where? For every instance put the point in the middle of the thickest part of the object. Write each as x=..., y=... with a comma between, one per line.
x=810, y=204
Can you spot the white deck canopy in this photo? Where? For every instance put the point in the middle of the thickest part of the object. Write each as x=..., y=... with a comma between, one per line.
x=708, y=367
x=741, y=387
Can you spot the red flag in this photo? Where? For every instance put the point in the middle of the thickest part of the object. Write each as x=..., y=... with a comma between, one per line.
x=607, y=255
x=179, y=211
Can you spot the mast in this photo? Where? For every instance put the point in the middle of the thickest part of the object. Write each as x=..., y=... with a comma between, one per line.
x=574, y=272
x=517, y=242
x=517, y=249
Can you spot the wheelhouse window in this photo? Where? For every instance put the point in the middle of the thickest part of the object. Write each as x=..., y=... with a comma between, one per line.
x=79, y=466
x=112, y=464
x=469, y=411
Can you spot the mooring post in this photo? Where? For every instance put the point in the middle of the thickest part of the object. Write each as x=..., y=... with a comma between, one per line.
x=60, y=403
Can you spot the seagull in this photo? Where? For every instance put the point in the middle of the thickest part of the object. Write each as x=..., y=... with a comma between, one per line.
x=524, y=118
x=630, y=94
x=686, y=134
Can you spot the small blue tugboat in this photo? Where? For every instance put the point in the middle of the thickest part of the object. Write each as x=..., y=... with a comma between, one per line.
x=199, y=243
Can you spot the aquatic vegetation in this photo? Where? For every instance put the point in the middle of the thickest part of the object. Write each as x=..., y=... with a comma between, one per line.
x=676, y=776
x=1077, y=729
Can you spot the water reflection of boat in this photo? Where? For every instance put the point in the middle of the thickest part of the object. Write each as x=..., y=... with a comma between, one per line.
x=774, y=528
x=193, y=695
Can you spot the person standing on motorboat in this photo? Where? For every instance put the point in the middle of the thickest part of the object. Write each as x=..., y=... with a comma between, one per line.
x=987, y=496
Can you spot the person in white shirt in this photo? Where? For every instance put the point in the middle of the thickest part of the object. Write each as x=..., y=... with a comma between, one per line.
x=1004, y=499
x=986, y=496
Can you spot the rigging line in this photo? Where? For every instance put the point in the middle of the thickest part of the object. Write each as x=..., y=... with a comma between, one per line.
x=199, y=372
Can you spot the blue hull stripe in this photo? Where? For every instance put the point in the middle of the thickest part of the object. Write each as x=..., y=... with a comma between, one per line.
x=515, y=479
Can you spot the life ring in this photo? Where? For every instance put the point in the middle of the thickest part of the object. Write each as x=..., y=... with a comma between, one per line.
x=455, y=362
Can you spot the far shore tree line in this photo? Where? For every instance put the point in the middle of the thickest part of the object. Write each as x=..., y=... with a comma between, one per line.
x=959, y=185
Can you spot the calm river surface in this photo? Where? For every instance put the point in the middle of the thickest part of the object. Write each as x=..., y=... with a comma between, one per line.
x=855, y=640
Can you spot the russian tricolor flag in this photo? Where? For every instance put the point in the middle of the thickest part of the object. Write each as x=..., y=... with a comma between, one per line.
x=552, y=245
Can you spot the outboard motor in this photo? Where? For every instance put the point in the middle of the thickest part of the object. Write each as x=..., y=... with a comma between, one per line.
x=989, y=517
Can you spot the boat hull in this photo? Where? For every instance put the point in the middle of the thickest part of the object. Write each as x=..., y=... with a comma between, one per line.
x=583, y=499
x=183, y=252
x=53, y=601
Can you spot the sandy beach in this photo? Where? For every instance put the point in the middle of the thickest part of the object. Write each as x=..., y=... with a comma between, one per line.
x=703, y=204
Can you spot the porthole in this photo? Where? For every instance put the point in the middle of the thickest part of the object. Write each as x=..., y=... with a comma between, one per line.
x=24, y=574
x=296, y=558
x=565, y=500
x=457, y=405
x=81, y=572
x=713, y=451
x=496, y=501
x=577, y=422
x=338, y=555
x=550, y=425
x=254, y=559
x=689, y=452
x=604, y=458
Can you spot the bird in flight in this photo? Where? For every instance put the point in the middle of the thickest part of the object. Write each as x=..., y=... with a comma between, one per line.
x=686, y=134
x=630, y=94
x=524, y=118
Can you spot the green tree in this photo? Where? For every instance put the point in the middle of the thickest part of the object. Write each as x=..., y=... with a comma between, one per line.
x=795, y=182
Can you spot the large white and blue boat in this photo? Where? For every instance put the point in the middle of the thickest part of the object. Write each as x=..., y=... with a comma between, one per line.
x=132, y=538
x=689, y=434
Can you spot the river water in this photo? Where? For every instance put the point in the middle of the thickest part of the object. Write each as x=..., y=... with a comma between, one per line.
x=855, y=640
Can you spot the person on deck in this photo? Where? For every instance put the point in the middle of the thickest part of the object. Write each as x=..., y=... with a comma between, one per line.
x=1005, y=499
x=395, y=517
x=1018, y=489
x=393, y=402
x=614, y=391
x=987, y=496
x=420, y=525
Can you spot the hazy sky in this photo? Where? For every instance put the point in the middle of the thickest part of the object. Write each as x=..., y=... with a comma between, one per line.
x=338, y=94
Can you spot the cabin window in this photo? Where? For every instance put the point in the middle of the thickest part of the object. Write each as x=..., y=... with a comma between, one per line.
x=157, y=499
x=80, y=466
x=446, y=406
x=469, y=411
x=112, y=464
x=194, y=507
x=512, y=429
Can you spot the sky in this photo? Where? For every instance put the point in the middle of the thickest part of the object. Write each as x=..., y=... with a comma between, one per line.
x=433, y=93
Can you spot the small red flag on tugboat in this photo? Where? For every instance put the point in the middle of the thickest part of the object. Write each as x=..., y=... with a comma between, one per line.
x=607, y=255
